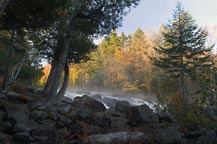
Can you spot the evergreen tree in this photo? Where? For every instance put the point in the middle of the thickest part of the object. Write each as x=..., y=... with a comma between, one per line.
x=183, y=51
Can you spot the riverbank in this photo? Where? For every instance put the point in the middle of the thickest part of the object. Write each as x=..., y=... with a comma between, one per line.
x=86, y=120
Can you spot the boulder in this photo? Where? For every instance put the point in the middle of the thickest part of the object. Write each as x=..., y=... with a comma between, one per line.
x=111, y=120
x=166, y=116
x=23, y=137
x=122, y=107
x=87, y=103
x=66, y=100
x=116, y=138
x=13, y=108
x=141, y=115
x=6, y=126
x=110, y=102
x=64, y=108
x=97, y=96
x=4, y=138
x=27, y=125
x=2, y=115
x=17, y=116
x=44, y=132
x=85, y=116
x=168, y=136
x=21, y=122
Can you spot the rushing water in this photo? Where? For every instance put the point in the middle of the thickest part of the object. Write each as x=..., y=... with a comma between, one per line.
x=109, y=100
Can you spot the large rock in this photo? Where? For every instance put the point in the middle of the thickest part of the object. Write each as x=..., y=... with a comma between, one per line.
x=6, y=126
x=141, y=115
x=166, y=116
x=87, y=103
x=64, y=108
x=168, y=136
x=122, y=107
x=21, y=122
x=110, y=102
x=23, y=137
x=111, y=120
x=4, y=138
x=66, y=100
x=28, y=126
x=44, y=132
x=117, y=138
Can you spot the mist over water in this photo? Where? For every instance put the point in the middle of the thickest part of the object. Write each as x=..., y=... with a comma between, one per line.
x=109, y=99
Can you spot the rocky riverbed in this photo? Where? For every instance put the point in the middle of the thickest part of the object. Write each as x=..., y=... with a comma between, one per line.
x=85, y=120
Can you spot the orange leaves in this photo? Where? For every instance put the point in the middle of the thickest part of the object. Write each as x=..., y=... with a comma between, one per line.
x=46, y=72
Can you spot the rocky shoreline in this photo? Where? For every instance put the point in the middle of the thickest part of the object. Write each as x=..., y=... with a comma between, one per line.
x=87, y=121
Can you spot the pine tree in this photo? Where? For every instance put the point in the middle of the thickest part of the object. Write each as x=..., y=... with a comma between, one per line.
x=183, y=51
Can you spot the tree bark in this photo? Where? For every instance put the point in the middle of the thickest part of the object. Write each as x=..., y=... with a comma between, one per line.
x=51, y=77
x=8, y=62
x=56, y=71
x=65, y=82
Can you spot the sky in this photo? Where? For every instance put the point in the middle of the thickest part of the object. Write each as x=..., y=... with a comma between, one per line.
x=149, y=15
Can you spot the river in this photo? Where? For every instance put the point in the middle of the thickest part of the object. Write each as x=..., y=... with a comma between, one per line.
x=109, y=100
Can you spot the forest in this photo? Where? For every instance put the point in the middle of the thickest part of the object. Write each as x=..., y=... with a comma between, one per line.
x=47, y=47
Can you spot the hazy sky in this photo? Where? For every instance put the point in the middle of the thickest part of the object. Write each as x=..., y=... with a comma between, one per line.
x=150, y=14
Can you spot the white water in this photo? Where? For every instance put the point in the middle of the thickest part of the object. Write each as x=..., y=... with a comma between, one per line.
x=109, y=100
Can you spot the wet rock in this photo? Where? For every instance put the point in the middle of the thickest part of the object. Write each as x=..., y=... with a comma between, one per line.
x=2, y=95
x=66, y=100
x=4, y=138
x=17, y=116
x=119, y=124
x=111, y=120
x=6, y=126
x=75, y=128
x=13, y=108
x=64, y=120
x=44, y=129
x=110, y=102
x=141, y=115
x=41, y=139
x=89, y=104
x=23, y=137
x=166, y=116
x=168, y=136
x=64, y=108
x=122, y=107
x=85, y=116
x=97, y=96
x=2, y=115
x=116, y=138
x=27, y=125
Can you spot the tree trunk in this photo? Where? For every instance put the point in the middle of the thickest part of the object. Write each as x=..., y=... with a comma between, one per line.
x=65, y=83
x=56, y=71
x=51, y=77
x=8, y=62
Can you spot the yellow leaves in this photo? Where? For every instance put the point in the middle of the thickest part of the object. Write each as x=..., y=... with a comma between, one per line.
x=46, y=71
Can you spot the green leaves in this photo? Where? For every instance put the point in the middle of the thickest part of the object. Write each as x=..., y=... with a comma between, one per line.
x=184, y=44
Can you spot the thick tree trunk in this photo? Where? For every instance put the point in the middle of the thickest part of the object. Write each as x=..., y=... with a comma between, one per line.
x=56, y=72
x=65, y=83
x=51, y=77
x=8, y=62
